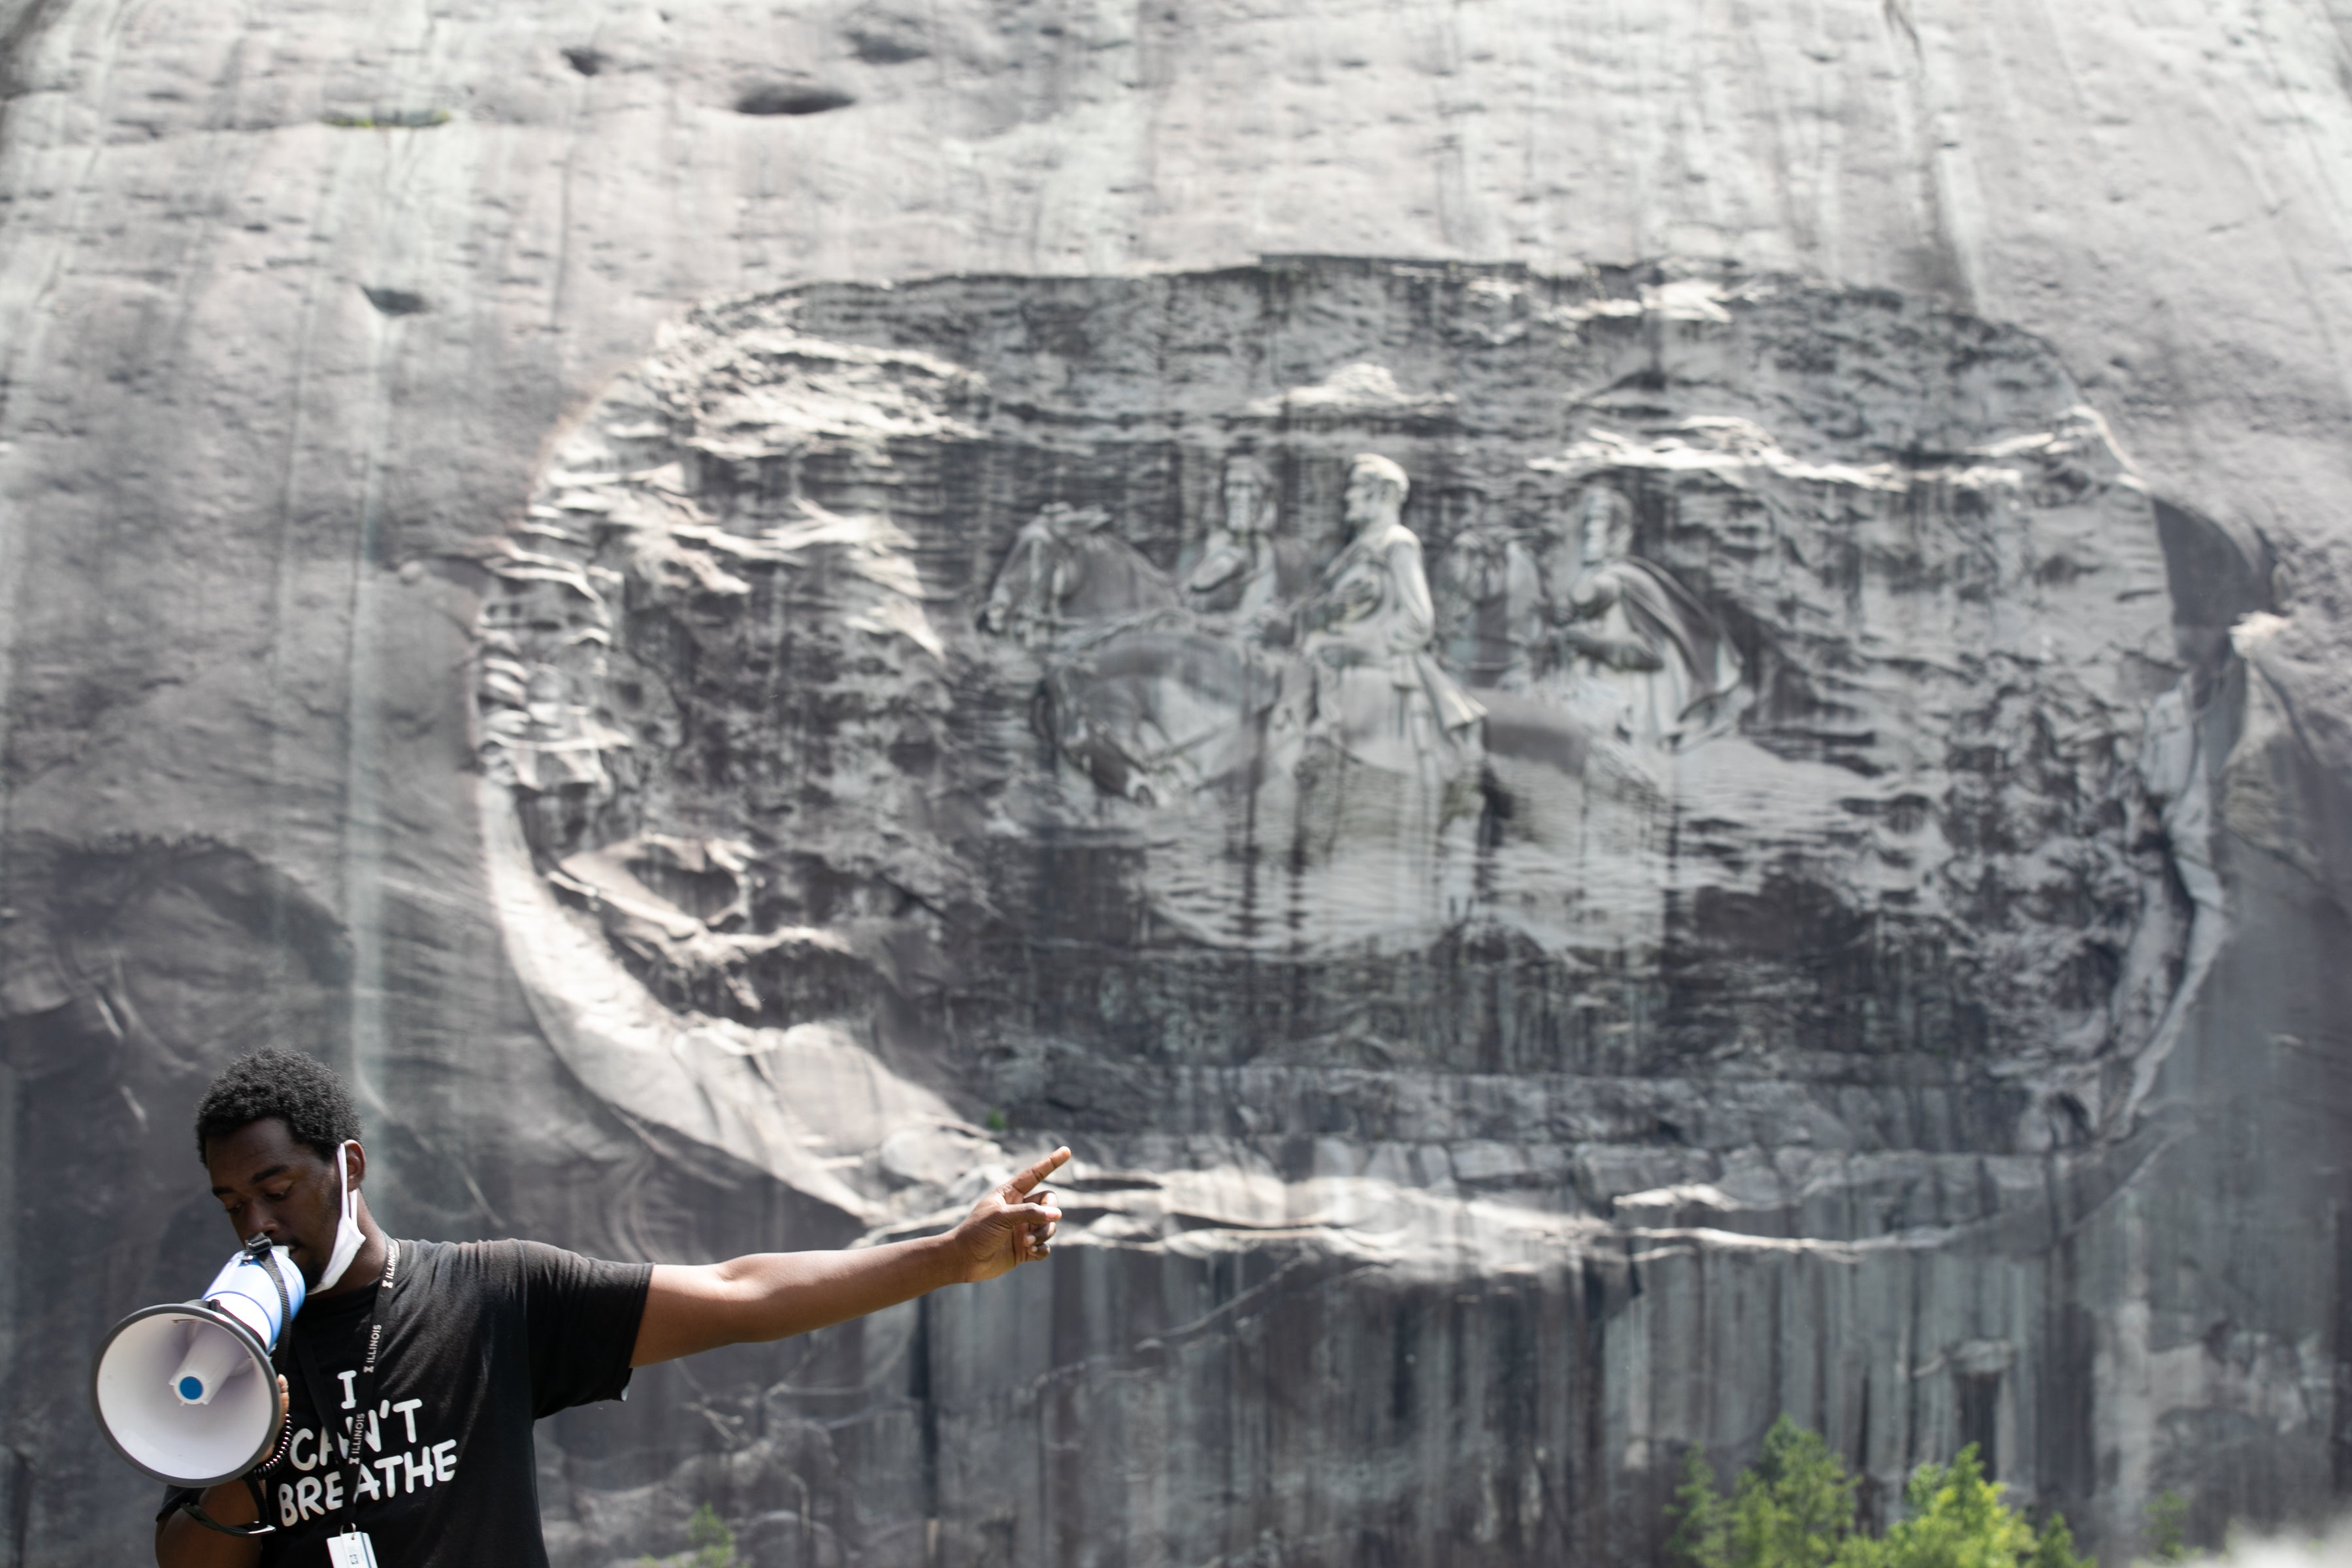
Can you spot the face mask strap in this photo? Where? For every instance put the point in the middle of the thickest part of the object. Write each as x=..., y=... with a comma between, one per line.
x=347, y=1229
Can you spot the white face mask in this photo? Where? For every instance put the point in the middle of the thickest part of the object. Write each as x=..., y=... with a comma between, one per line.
x=347, y=1232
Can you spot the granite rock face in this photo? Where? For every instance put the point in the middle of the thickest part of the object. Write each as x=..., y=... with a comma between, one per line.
x=1787, y=874
x=1778, y=1041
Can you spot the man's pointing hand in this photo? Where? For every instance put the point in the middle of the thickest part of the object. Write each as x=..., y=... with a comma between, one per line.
x=1012, y=1225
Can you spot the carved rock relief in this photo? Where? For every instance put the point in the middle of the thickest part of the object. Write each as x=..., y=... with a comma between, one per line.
x=903, y=701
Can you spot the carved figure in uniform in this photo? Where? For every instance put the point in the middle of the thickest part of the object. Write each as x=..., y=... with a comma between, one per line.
x=1645, y=659
x=1496, y=591
x=1245, y=569
x=1066, y=571
x=1378, y=694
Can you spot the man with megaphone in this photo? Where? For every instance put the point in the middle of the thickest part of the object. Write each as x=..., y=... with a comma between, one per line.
x=408, y=1373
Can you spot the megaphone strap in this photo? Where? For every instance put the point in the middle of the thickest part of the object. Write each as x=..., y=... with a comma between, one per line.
x=257, y=1247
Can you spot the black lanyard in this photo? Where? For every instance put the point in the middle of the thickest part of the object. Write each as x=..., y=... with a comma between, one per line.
x=354, y=1423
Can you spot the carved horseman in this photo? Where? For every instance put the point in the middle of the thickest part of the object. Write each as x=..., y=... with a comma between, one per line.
x=1245, y=569
x=1067, y=572
x=1497, y=628
x=1643, y=660
x=1380, y=694
x=1136, y=692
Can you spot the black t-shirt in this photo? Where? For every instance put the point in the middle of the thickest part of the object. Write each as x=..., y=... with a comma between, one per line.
x=481, y=1340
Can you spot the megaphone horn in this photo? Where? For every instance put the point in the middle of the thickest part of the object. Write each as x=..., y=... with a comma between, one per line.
x=184, y=1391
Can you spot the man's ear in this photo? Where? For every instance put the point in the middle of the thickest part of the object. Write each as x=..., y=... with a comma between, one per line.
x=355, y=1162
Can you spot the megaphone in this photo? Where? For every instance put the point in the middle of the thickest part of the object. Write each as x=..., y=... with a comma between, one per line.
x=184, y=1391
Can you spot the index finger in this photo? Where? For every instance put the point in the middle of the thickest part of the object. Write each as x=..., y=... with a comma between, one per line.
x=1038, y=1171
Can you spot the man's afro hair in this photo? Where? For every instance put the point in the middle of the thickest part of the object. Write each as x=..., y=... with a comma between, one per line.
x=302, y=1091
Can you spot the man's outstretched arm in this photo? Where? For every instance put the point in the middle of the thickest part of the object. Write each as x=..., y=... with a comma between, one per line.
x=772, y=1295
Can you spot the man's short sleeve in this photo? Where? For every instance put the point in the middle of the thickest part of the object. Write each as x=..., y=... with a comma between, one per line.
x=579, y=1317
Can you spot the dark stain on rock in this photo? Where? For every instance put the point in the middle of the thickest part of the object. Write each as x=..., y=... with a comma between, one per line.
x=394, y=302
x=792, y=97
x=2213, y=582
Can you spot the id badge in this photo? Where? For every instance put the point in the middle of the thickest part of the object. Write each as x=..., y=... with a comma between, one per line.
x=352, y=1550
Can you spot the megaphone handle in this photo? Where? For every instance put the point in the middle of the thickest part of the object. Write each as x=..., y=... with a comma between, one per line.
x=186, y=1500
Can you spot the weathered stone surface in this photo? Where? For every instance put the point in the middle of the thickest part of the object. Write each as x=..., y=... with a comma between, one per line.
x=1851, y=996
x=1966, y=1070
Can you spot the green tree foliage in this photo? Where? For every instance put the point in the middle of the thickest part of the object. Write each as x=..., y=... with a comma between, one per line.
x=712, y=1543
x=1795, y=1509
x=2167, y=1527
x=708, y=1544
x=2056, y=1547
x=1953, y=1517
x=1702, y=1536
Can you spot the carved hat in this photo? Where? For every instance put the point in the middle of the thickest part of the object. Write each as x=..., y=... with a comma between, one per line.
x=1388, y=472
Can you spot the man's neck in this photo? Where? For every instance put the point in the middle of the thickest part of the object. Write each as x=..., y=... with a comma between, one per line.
x=367, y=1263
